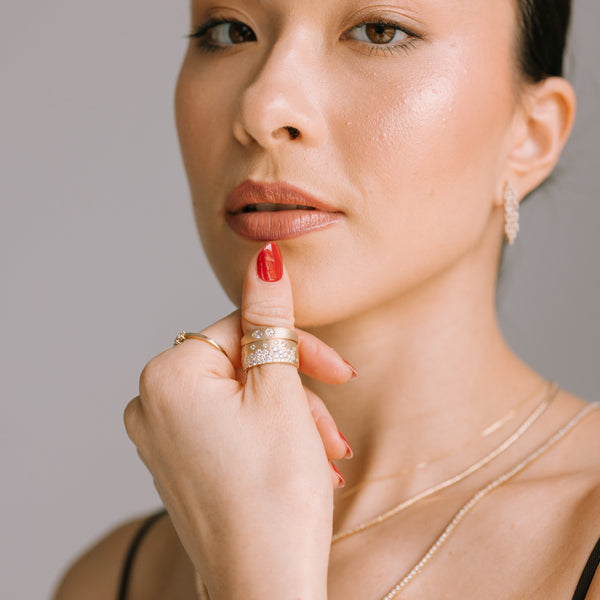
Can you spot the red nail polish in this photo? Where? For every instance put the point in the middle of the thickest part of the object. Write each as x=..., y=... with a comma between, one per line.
x=342, y=480
x=269, y=264
x=354, y=371
x=349, y=453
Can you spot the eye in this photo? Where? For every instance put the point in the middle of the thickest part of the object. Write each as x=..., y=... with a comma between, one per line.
x=217, y=34
x=378, y=33
x=382, y=38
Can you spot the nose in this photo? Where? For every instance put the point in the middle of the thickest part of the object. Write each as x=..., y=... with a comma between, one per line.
x=280, y=104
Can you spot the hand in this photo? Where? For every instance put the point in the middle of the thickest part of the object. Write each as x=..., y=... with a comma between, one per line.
x=242, y=463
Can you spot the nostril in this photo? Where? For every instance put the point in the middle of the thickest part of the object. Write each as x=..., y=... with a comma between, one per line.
x=294, y=133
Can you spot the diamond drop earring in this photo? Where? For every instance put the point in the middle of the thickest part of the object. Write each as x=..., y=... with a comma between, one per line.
x=511, y=213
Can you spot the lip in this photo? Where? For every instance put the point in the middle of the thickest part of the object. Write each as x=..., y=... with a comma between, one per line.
x=277, y=222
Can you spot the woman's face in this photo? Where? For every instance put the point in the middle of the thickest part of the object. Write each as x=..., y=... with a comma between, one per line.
x=393, y=115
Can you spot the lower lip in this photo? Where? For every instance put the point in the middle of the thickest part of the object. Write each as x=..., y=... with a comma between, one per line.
x=279, y=225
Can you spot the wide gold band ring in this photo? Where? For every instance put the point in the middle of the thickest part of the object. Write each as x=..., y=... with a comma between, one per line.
x=184, y=335
x=270, y=350
x=265, y=333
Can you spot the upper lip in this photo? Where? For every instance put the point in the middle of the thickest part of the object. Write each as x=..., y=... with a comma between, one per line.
x=251, y=192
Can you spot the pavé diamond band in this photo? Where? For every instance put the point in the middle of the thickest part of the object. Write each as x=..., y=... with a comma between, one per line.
x=269, y=345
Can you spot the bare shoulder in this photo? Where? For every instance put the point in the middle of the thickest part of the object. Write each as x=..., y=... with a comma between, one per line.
x=584, y=444
x=160, y=564
x=581, y=464
x=578, y=459
x=97, y=571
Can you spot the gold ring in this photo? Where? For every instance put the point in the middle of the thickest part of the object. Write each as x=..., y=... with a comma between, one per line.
x=265, y=333
x=266, y=351
x=184, y=335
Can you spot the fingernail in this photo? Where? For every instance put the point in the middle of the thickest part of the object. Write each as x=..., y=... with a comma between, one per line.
x=269, y=264
x=342, y=481
x=354, y=371
x=349, y=453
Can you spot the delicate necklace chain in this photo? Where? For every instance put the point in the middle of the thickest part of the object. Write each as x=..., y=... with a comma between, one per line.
x=486, y=432
x=483, y=492
x=507, y=443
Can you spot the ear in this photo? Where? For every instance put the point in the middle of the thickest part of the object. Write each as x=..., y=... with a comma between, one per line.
x=541, y=128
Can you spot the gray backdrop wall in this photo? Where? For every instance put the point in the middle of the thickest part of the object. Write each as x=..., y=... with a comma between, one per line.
x=101, y=266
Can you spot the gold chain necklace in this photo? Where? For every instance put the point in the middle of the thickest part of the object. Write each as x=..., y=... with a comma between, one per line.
x=483, y=492
x=486, y=432
x=507, y=443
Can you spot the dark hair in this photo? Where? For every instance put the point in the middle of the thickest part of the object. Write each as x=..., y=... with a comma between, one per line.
x=541, y=44
x=543, y=36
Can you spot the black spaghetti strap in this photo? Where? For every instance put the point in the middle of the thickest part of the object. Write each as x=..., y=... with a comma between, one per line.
x=133, y=548
x=581, y=591
x=588, y=573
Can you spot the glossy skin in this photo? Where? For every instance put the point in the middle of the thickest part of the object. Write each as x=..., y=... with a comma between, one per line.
x=411, y=141
x=409, y=146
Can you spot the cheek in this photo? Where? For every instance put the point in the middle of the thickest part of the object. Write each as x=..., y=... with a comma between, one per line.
x=424, y=154
x=203, y=110
x=422, y=160
x=201, y=113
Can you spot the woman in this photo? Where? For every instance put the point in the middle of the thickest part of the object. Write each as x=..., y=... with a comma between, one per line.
x=353, y=169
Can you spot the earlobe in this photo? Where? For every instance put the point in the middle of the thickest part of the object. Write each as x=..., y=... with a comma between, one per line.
x=546, y=121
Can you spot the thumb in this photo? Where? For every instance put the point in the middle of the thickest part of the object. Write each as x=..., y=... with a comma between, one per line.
x=267, y=302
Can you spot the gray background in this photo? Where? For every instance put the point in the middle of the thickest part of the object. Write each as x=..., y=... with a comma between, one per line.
x=101, y=265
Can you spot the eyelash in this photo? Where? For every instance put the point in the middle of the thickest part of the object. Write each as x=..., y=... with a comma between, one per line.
x=374, y=49
x=201, y=31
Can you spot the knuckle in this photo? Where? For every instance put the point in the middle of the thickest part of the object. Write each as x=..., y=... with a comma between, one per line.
x=170, y=380
x=260, y=311
x=156, y=388
x=159, y=374
x=131, y=418
x=151, y=375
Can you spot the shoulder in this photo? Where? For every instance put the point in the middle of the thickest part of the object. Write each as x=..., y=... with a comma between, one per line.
x=97, y=572
x=577, y=463
x=582, y=447
x=579, y=460
x=96, y=575
x=588, y=445
x=554, y=505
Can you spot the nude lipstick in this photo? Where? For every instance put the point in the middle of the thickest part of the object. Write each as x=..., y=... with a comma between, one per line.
x=276, y=211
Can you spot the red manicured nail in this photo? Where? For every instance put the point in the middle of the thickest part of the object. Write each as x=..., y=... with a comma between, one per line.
x=269, y=264
x=354, y=371
x=342, y=482
x=349, y=453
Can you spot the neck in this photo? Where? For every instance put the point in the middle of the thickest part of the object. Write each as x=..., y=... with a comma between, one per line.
x=434, y=370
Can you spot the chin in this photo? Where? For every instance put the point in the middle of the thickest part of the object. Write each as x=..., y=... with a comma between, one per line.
x=315, y=305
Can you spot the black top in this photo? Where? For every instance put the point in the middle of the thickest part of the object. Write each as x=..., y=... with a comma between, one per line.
x=585, y=581
x=133, y=548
